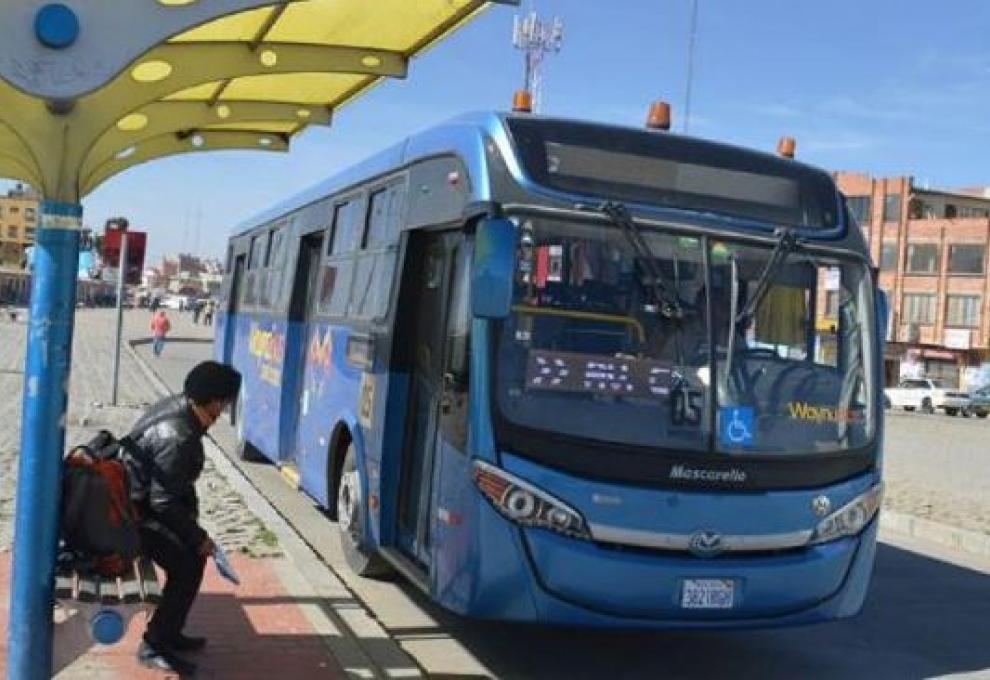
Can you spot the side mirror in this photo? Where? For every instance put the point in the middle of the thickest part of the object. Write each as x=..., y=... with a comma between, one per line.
x=883, y=316
x=494, y=259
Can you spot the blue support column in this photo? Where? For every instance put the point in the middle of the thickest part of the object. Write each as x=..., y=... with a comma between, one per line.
x=46, y=380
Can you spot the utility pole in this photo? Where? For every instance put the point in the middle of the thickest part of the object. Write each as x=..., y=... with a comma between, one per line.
x=536, y=39
x=692, y=36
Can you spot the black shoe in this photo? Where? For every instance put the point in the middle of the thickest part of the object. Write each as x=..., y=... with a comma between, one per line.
x=183, y=643
x=160, y=658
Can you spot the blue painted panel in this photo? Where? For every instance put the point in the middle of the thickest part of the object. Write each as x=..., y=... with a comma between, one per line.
x=259, y=350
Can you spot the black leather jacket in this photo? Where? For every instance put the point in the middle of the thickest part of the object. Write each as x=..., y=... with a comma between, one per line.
x=166, y=460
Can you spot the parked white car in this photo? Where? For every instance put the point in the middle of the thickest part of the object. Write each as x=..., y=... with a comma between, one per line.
x=926, y=395
x=176, y=302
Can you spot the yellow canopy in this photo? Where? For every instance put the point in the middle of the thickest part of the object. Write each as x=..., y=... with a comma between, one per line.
x=234, y=74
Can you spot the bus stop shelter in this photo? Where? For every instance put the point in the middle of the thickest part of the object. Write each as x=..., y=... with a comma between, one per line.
x=90, y=89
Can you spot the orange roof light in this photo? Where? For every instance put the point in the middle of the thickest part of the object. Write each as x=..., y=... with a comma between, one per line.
x=659, y=117
x=522, y=101
x=786, y=147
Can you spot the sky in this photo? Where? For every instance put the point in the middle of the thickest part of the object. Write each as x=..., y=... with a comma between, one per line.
x=886, y=87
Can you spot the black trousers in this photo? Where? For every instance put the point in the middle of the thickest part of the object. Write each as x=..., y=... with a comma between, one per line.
x=183, y=576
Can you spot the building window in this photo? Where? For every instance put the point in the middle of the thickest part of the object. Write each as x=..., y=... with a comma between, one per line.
x=922, y=258
x=967, y=212
x=892, y=208
x=888, y=256
x=12, y=232
x=962, y=310
x=966, y=259
x=29, y=234
x=29, y=214
x=919, y=308
x=860, y=207
x=950, y=211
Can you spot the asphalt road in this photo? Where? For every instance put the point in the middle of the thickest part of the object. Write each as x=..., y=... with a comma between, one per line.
x=928, y=613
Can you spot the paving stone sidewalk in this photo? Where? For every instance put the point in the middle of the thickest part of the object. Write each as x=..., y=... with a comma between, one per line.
x=257, y=630
x=225, y=515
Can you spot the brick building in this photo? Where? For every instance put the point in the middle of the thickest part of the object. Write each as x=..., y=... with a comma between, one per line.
x=18, y=222
x=931, y=247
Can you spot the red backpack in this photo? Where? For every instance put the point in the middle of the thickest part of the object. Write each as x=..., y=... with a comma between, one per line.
x=99, y=519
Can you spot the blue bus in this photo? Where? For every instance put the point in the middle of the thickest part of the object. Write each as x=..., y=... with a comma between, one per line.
x=558, y=371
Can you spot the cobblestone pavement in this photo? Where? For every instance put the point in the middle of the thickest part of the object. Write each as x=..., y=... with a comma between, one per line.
x=938, y=467
x=224, y=513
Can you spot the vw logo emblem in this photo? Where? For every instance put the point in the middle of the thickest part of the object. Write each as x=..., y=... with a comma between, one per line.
x=821, y=505
x=705, y=544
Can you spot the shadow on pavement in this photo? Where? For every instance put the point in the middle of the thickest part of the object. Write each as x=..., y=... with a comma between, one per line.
x=923, y=618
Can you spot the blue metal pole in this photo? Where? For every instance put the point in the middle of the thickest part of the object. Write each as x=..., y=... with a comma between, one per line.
x=46, y=381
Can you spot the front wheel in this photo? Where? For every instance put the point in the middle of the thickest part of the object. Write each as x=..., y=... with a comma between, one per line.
x=951, y=411
x=351, y=510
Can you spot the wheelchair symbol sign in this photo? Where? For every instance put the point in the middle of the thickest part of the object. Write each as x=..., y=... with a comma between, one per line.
x=737, y=427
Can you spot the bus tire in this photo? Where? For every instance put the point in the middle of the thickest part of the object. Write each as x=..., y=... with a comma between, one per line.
x=351, y=510
x=244, y=450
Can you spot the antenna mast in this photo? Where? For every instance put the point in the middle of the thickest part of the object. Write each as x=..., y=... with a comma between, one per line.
x=536, y=38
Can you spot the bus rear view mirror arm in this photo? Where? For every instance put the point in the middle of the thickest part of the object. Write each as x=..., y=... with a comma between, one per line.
x=494, y=258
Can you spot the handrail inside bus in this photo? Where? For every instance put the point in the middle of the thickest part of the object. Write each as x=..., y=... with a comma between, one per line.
x=590, y=316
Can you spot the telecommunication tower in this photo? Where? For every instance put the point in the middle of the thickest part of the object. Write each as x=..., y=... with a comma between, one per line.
x=536, y=39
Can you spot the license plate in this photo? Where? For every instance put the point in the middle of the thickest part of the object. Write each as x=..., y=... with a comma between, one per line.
x=708, y=594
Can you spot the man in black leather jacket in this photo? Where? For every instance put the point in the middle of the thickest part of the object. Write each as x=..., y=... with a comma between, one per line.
x=166, y=461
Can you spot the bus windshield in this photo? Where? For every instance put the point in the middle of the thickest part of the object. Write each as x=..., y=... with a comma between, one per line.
x=591, y=350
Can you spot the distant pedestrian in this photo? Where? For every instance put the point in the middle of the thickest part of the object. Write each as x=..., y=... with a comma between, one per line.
x=160, y=326
x=210, y=309
x=197, y=310
x=155, y=304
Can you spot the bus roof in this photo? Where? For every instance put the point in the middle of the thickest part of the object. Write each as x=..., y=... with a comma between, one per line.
x=462, y=135
x=465, y=136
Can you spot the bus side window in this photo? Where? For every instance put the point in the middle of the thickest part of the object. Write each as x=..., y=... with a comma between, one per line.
x=335, y=284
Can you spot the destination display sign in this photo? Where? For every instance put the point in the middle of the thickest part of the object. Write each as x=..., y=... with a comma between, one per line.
x=598, y=374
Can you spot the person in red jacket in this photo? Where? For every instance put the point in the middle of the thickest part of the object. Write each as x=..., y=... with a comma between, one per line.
x=160, y=326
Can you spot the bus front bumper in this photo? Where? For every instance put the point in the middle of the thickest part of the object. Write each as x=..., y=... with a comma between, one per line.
x=581, y=583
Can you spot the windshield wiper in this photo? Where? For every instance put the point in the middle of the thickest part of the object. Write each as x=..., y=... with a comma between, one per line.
x=618, y=213
x=786, y=240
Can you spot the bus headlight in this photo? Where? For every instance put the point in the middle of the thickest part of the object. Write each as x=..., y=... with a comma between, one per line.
x=525, y=504
x=851, y=518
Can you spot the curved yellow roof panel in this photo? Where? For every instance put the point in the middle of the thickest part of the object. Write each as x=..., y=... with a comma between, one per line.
x=138, y=81
x=304, y=88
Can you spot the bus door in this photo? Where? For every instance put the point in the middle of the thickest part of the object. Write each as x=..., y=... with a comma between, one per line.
x=233, y=303
x=302, y=308
x=422, y=336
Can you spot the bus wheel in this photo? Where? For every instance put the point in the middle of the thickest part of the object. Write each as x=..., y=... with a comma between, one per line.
x=244, y=449
x=350, y=522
